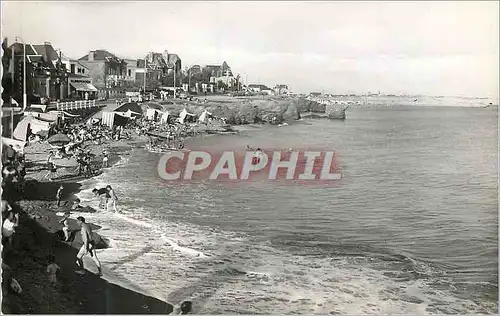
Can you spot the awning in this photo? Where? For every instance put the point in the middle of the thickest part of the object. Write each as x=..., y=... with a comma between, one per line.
x=83, y=86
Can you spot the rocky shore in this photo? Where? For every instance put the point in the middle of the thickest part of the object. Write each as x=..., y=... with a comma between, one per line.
x=256, y=110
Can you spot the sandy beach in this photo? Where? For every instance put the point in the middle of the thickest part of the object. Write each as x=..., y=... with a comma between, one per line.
x=39, y=235
x=36, y=238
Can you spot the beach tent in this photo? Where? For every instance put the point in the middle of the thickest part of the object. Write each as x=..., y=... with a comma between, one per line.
x=151, y=114
x=130, y=106
x=113, y=119
x=48, y=117
x=129, y=113
x=164, y=117
x=29, y=122
x=204, y=116
x=17, y=145
x=92, y=121
x=183, y=116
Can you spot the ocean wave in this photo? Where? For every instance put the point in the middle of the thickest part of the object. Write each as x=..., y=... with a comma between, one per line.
x=133, y=220
x=175, y=245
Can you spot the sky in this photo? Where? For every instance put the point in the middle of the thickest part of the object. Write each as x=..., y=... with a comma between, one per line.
x=433, y=48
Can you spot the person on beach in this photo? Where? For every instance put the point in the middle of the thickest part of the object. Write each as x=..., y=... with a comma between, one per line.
x=52, y=269
x=51, y=166
x=186, y=308
x=256, y=156
x=76, y=204
x=105, y=158
x=88, y=247
x=59, y=195
x=64, y=221
x=9, y=227
x=112, y=197
x=103, y=195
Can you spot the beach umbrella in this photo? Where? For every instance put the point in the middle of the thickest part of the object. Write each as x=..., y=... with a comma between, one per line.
x=59, y=139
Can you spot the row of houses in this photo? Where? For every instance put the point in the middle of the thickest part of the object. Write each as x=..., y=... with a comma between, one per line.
x=51, y=75
x=280, y=89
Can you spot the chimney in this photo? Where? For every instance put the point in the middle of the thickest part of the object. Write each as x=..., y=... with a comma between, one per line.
x=91, y=56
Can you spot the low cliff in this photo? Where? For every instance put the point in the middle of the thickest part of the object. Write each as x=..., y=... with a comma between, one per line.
x=273, y=110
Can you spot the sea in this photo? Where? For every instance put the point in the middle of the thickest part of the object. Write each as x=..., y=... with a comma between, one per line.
x=412, y=226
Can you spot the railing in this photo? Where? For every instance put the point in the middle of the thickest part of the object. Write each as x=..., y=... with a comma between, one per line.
x=76, y=105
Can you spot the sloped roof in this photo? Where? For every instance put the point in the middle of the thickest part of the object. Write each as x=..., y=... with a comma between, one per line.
x=79, y=63
x=100, y=54
x=225, y=66
x=133, y=106
x=47, y=51
x=173, y=58
x=18, y=49
x=156, y=59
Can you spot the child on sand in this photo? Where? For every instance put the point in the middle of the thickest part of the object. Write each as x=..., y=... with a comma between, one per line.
x=112, y=197
x=52, y=269
x=105, y=158
x=65, y=224
x=59, y=194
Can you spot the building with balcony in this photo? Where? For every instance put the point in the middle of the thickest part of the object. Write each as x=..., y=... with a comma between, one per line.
x=106, y=69
x=45, y=73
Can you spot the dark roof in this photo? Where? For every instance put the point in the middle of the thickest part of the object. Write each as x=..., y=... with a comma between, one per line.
x=133, y=106
x=99, y=54
x=18, y=49
x=225, y=66
x=47, y=51
x=280, y=86
x=156, y=59
x=173, y=58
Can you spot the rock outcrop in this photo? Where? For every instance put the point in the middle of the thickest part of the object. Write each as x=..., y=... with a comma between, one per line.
x=335, y=112
x=271, y=110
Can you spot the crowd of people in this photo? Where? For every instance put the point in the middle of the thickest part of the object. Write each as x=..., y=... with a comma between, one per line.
x=79, y=137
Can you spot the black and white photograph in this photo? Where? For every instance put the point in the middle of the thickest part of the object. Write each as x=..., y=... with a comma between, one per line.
x=250, y=157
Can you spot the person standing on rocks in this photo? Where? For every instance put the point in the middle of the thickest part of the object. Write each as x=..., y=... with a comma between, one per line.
x=88, y=247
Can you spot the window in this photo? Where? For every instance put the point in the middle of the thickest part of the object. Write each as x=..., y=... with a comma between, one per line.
x=130, y=72
x=73, y=68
